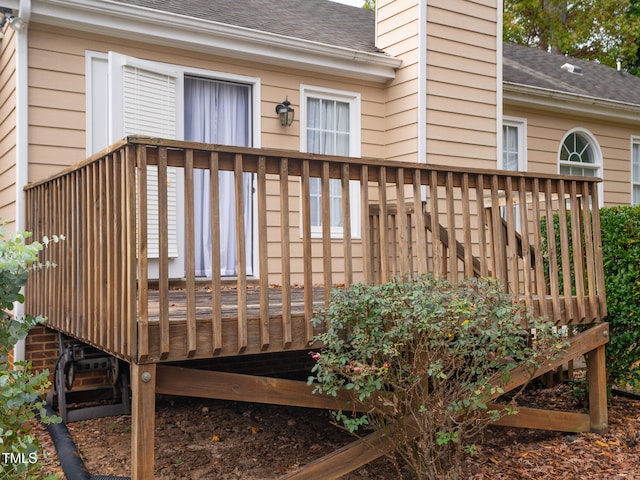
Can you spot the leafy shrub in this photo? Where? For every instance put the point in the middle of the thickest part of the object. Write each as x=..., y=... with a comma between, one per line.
x=20, y=387
x=427, y=356
x=620, y=229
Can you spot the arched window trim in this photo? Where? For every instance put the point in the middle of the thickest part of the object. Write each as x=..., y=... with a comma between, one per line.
x=597, y=165
x=593, y=142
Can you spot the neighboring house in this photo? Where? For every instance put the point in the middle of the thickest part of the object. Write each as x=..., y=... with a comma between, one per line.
x=419, y=82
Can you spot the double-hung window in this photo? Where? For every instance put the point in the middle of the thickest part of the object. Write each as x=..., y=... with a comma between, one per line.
x=514, y=146
x=330, y=125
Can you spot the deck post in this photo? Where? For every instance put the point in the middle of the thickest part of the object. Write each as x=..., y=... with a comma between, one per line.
x=143, y=420
x=597, y=378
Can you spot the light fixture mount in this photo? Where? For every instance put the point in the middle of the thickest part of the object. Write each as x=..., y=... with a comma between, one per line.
x=285, y=112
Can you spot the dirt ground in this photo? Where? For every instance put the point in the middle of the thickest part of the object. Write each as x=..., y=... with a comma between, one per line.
x=207, y=439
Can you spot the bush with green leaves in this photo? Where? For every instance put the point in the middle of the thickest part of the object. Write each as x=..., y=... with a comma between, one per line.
x=426, y=356
x=20, y=386
x=620, y=230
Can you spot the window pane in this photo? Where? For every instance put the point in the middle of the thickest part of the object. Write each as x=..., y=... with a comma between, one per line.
x=636, y=195
x=316, y=201
x=636, y=163
x=328, y=133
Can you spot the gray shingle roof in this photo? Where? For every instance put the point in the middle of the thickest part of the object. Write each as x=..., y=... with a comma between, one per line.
x=340, y=25
x=321, y=21
x=537, y=68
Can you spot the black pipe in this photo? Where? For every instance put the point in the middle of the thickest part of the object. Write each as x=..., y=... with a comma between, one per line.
x=70, y=460
x=625, y=394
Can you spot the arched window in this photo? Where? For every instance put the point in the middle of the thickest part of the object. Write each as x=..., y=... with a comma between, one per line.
x=580, y=155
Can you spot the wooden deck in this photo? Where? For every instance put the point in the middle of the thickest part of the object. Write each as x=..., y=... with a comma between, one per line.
x=539, y=235
x=455, y=223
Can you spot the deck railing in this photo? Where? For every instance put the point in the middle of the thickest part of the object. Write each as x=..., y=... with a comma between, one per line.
x=456, y=223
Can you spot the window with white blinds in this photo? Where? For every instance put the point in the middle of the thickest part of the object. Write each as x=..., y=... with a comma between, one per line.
x=149, y=108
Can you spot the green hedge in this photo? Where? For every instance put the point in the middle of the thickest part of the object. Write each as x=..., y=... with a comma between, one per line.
x=620, y=227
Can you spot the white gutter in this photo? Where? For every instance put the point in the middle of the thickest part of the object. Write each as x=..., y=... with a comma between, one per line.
x=181, y=31
x=20, y=24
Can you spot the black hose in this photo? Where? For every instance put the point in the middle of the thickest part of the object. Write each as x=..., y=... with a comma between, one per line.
x=70, y=460
x=625, y=394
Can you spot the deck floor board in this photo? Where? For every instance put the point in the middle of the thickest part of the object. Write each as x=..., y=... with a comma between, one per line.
x=229, y=297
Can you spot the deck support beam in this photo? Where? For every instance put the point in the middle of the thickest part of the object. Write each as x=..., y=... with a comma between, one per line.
x=597, y=379
x=143, y=420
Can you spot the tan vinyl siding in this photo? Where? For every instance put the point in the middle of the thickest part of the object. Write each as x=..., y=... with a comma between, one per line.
x=57, y=114
x=8, y=128
x=462, y=82
x=398, y=31
x=545, y=131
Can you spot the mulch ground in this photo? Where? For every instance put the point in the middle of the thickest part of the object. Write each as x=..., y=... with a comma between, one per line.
x=206, y=439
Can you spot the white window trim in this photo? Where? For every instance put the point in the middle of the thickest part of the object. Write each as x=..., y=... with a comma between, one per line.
x=635, y=140
x=521, y=125
x=597, y=151
x=91, y=100
x=354, y=101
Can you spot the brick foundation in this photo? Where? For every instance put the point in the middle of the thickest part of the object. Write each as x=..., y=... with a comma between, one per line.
x=42, y=350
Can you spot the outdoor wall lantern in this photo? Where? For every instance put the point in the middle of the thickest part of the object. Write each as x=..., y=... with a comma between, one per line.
x=286, y=112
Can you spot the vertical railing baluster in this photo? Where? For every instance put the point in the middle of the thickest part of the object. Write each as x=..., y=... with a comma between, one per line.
x=384, y=226
x=401, y=222
x=482, y=237
x=163, y=253
x=451, y=228
x=86, y=249
x=421, y=234
x=214, y=219
x=346, y=225
x=435, y=224
x=597, y=246
x=307, y=252
x=190, y=253
x=263, y=253
x=497, y=235
x=103, y=220
x=109, y=279
x=469, y=270
x=95, y=253
x=589, y=205
x=241, y=255
x=285, y=252
x=365, y=233
x=133, y=290
x=553, y=256
x=513, y=274
x=541, y=284
x=143, y=255
x=526, y=247
x=326, y=232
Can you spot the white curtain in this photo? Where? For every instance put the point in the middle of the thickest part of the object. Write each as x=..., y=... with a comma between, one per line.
x=218, y=112
x=327, y=133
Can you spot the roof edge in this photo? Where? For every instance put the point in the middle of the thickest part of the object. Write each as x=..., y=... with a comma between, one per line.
x=165, y=28
x=550, y=99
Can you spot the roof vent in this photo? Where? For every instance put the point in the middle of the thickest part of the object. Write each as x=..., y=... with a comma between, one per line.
x=569, y=67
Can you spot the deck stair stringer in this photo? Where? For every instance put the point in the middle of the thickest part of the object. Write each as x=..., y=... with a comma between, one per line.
x=239, y=387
